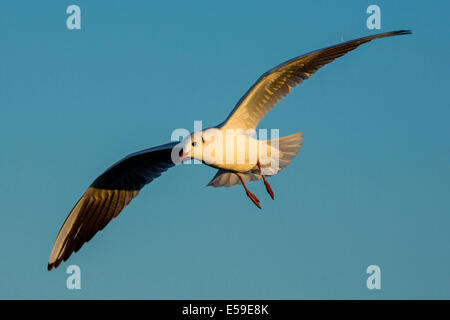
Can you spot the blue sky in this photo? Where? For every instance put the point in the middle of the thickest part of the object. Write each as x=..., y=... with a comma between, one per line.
x=370, y=185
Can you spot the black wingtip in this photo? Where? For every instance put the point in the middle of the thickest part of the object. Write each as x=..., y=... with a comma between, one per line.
x=384, y=35
x=53, y=265
x=392, y=33
x=400, y=32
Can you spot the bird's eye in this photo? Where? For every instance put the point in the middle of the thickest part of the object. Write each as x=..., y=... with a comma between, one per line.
x=194, y=143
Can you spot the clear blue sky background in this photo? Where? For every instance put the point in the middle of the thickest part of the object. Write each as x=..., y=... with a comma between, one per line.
x=370, y=185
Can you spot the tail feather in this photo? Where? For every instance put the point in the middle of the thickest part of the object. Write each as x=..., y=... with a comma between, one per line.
x=288, y=147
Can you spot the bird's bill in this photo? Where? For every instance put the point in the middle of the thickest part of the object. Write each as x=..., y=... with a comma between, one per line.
x=184, y=155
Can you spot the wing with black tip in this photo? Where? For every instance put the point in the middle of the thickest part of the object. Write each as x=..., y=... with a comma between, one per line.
x=107, y=196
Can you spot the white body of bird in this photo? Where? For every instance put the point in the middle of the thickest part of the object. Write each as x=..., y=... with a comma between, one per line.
x=235, y=151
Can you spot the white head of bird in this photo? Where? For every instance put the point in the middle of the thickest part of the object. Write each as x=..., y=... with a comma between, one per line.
x=195, y=145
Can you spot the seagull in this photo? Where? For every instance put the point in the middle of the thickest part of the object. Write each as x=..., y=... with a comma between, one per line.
x=223, y=147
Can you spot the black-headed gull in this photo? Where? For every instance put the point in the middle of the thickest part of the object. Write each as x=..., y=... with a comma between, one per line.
x=230, y=147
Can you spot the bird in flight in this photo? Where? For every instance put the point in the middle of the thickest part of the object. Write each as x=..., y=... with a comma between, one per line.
x=230, y=147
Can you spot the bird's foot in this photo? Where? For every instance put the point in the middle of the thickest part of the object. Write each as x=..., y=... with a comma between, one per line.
x=253, y=198
x=269, y=189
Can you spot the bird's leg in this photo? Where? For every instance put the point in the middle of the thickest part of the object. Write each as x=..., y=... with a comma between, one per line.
x=249, y=194
x=268, y=188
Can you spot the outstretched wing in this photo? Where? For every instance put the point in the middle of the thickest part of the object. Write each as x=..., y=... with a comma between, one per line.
x=279, y=81
x=107, y=196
